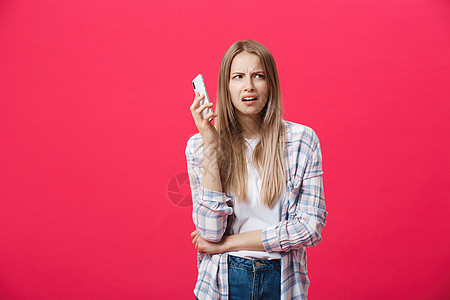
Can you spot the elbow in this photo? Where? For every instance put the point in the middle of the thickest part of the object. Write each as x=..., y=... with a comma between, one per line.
x=309, y=235
x=211, y=222
x=209, y=235
x=315, y=239
x=315, y=234
x=210, y=229
x=311, y=239
x=313, y=227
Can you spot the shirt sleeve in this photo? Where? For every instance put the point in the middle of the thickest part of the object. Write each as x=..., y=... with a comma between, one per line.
x=306, y=210
x=210, y=208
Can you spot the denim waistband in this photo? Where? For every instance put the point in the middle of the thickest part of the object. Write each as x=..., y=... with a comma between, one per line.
x=253, y=264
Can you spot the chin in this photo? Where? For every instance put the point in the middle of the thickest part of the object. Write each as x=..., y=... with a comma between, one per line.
x=251, y=112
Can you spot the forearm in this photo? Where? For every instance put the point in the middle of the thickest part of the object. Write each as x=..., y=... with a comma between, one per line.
x=211, y=174
x=250, y=240
x=210, y=205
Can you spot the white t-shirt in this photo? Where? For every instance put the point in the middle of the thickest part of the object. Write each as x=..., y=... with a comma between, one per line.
x=254, y=214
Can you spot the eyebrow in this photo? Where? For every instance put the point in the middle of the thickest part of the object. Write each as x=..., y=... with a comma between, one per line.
x=240, y=72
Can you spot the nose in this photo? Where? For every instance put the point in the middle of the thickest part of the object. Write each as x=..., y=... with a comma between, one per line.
x=248, y=84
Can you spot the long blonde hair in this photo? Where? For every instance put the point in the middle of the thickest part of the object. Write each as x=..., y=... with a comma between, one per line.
x=269, y=153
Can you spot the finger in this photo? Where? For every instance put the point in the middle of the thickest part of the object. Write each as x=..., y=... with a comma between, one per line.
x=195, y=239
x=203, y=107
x=197, y=247
x=193, y=233
x=197, y=100
x=209, y=116
x=197, y=117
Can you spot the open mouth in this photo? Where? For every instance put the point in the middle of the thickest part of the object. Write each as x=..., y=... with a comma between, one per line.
x=249, y=99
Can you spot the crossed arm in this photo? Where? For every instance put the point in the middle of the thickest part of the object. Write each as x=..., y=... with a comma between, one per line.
x=251, y=240
x=302, y=229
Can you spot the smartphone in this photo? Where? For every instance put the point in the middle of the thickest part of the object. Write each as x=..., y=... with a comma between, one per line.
x=199, y=86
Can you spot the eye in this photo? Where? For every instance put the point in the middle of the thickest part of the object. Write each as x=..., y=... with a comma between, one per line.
x=237, y=76
x=261, y=76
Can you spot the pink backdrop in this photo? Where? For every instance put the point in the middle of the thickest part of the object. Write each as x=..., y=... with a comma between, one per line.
x=94, y=119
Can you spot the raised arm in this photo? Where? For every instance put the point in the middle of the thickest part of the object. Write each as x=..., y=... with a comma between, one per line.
x=210, y=208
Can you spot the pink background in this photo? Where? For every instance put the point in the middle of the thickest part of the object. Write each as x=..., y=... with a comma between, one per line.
x=94, y=119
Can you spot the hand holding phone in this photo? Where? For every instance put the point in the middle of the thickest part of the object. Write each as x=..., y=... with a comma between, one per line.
x=199, y=86
x=203, y=121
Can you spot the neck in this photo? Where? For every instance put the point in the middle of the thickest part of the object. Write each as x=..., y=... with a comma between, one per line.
x=250, y=126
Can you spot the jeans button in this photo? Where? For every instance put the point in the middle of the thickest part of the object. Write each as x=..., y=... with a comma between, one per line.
x=257, y=264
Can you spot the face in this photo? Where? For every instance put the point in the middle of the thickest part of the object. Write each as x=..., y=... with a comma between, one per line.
x=248, y=85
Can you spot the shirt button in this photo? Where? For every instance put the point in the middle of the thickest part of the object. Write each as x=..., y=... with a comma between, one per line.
x=257, y=264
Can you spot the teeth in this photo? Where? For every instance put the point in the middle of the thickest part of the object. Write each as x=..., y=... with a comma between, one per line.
x=249, y=98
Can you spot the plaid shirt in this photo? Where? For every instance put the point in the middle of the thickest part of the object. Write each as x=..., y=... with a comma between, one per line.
x=302, y=220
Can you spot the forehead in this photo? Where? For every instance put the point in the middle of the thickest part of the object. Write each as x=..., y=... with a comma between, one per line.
x=245, y=61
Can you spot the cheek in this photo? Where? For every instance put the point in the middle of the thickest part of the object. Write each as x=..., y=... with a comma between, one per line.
x=263, y=88
x=265, y=93
x=266, y=89
x=234, y=92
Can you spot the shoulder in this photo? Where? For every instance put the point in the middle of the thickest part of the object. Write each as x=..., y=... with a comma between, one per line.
x=194, y=148
x=301, y=134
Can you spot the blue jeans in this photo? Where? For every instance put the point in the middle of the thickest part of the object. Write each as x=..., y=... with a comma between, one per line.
x=252, y=279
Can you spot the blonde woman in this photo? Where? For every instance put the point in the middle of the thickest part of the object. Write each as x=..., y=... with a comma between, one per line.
x=256, y=184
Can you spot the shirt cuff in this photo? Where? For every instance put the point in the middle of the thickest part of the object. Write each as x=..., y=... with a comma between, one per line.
x=214, y=196
x=270, y=240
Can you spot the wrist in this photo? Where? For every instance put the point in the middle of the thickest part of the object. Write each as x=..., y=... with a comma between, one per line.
x=210, y=156
x=227, y=244
x=210, y=150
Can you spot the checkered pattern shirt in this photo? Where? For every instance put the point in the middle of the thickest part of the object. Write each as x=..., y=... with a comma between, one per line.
x=302, y=220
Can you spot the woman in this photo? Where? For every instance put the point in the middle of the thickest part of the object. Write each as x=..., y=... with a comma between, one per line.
x=256, y=184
